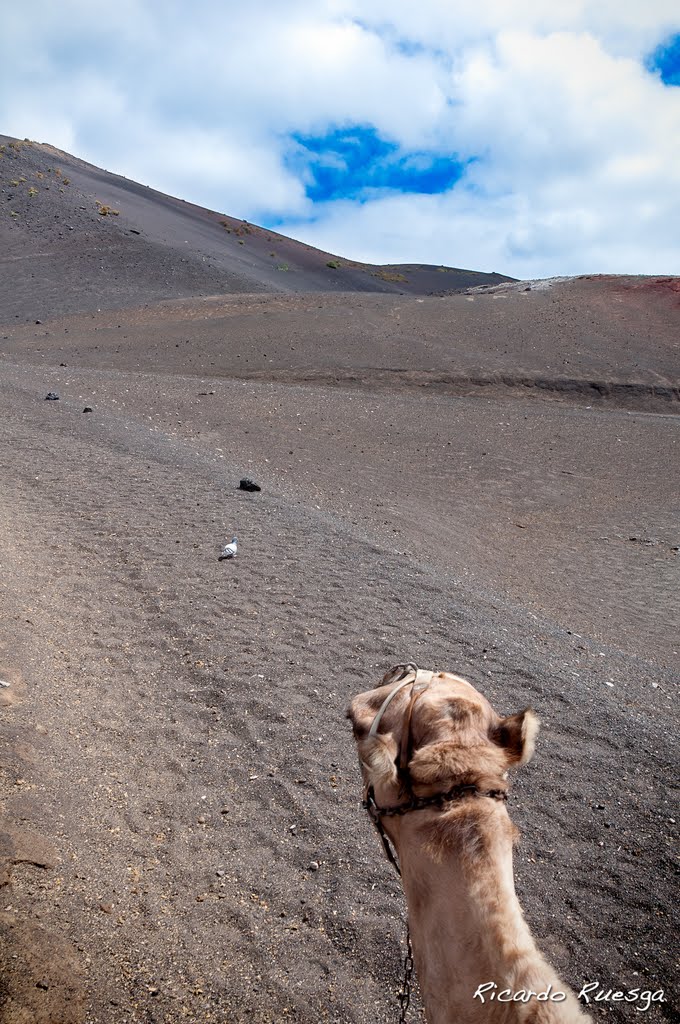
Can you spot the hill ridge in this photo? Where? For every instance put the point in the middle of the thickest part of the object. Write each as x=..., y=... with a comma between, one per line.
x=111, y=241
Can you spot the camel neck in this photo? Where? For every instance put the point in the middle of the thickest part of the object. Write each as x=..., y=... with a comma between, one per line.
x=466, y=923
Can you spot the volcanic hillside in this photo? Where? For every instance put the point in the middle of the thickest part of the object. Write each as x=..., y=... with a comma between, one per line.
x=76, y=238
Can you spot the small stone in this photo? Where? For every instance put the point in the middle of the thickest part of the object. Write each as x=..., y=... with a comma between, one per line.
x=313, y=865
x=38, y=321
x=51, y=396
x=88, y=408
x=107, y=908
x=246, y=484
x=220, y=873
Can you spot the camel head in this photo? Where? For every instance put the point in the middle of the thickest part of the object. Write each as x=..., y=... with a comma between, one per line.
x=435, y=758
x=436, y=732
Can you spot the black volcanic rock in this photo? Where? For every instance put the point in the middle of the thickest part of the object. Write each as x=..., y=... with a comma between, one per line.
x=248, y=485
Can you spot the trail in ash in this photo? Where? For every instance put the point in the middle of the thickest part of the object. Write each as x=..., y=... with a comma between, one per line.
x=181, y=746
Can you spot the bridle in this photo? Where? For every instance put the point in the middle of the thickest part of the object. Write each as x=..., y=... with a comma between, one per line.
x=409, y=677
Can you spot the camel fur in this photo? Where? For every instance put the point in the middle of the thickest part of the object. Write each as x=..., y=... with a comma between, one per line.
x=475, y=957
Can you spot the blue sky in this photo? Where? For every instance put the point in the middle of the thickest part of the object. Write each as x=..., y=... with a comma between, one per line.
x=355, y=163
x=665, y=60
x=514, y=135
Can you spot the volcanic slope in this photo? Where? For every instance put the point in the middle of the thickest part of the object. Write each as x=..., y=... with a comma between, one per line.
x=74, y=238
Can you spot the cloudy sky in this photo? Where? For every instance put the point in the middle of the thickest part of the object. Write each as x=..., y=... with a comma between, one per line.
x=531, y=137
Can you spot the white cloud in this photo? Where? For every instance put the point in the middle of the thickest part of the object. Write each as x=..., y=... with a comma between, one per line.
x=627, y=27
x=216, y=166
x=577, y=172
x=576, y=146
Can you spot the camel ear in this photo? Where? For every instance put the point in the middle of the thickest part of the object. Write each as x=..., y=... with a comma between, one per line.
x=361, y=715
x=378, y=756
x=376, y=753
x=516, y=734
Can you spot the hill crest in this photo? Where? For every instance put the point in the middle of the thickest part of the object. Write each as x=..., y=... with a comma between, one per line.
x=77, y=238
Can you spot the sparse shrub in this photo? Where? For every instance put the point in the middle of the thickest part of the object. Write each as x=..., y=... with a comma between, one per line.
x=39, y=174
x=66, y=181
x=107, y=211
x=283, y=266
x=334, y=264
x=390, y=275
x=14, y=182
x=32, y=191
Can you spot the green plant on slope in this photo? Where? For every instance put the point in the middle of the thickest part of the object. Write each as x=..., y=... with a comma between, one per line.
x=390, y=275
